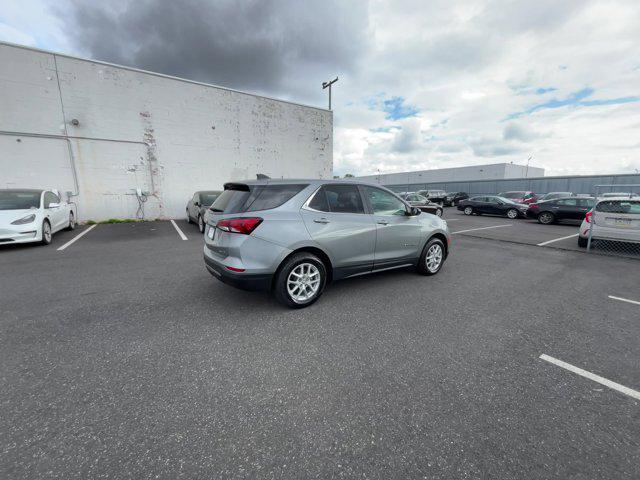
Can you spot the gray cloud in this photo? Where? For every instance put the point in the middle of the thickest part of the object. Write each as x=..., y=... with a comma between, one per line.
x=271, y=46
x=408, y=139
x=516, y=131
x=489, y=147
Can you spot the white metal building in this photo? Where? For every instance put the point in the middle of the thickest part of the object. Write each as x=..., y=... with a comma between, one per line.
x=495, y=171
x=102, y=131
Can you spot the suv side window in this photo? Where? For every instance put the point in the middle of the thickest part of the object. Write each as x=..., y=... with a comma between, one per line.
x=49, y=198
x=585, y=202
x=337, y=199
x=570, y=202
x=384, y=203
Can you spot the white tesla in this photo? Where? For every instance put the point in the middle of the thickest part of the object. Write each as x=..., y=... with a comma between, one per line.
x=30, y=215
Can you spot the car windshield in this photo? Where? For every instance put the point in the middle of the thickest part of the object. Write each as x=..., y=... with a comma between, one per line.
x=17, y=200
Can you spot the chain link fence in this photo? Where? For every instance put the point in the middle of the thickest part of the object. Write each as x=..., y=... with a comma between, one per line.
x=612, y=226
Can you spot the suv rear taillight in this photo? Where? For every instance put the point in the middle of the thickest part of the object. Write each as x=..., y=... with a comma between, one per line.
x=244, y=225
x=588, y=216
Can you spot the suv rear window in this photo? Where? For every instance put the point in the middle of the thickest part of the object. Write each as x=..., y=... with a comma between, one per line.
x=619, y=206
x=249, y=198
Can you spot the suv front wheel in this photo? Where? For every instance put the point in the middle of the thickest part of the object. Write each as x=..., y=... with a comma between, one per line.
x=432, y=257
x=300, y=281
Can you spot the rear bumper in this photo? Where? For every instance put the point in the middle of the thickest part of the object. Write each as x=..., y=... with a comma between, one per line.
x=244, y=281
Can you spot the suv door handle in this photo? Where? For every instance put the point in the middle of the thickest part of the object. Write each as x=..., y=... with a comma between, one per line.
x=321, y=220
x=383, y=222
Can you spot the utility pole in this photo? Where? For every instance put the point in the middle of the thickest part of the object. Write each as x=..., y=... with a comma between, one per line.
x=328, y=84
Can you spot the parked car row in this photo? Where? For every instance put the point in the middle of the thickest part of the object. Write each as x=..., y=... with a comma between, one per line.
x=606, y=218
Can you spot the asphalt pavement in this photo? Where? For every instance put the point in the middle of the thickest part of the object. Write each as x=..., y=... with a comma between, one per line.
x=121, y=357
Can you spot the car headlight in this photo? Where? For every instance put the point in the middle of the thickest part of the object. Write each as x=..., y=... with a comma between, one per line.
x=23, y=220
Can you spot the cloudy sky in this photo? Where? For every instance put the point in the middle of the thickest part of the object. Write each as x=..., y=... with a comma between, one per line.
x=423, y=84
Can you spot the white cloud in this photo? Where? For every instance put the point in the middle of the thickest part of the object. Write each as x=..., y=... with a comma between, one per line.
x=461, y=69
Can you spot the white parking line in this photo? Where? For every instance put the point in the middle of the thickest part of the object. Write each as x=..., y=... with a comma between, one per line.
x=557, y=239
x=592, y=376
x=624, y=300
x=182, y=235
x=481, y=228
x=77, y=237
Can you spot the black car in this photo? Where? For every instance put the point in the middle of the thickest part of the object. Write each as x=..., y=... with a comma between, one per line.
x=436, y=196
x=198, y=204
x=492, y=205
x=568, y=208
x=453, y=198
x=423, y=203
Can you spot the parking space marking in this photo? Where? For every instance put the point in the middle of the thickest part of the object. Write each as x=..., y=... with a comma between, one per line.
x=624, y=300
x=592, y=376
x=77, y=237
x=482, y=228
x=557, y=239
x=182, y=235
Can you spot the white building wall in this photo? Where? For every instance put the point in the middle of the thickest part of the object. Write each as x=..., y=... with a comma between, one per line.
x=135, y=129
x=495, y=171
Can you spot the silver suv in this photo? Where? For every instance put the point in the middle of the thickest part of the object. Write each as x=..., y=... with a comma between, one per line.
x=295, y=236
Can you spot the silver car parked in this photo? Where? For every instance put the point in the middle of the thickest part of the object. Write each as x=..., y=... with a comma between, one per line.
x=295, y=236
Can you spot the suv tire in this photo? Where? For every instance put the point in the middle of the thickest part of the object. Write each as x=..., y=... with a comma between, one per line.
x=429, y=264
x=304, y=267
x=582, y=242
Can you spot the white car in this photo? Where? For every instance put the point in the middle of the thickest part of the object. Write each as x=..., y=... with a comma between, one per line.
x=28, y=215
x=614, y=219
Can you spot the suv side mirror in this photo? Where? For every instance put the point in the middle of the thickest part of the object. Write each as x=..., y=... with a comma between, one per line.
x=414, y=211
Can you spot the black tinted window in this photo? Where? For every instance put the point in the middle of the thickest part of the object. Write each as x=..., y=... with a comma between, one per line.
x=571, y=202
x=271, y=196
x=338, y=199
x=319, y=201
x=250, y=198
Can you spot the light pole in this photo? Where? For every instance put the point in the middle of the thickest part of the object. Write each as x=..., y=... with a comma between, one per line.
x=328, y=84
x=526, y=175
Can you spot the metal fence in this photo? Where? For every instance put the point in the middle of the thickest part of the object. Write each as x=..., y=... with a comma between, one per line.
x=575, y=184
x=613, y=225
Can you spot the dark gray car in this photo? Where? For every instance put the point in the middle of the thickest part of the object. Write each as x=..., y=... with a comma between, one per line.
x=197, y=206
x=295, y=236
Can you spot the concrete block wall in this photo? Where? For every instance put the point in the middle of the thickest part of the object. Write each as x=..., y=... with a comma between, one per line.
x=101, y=131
